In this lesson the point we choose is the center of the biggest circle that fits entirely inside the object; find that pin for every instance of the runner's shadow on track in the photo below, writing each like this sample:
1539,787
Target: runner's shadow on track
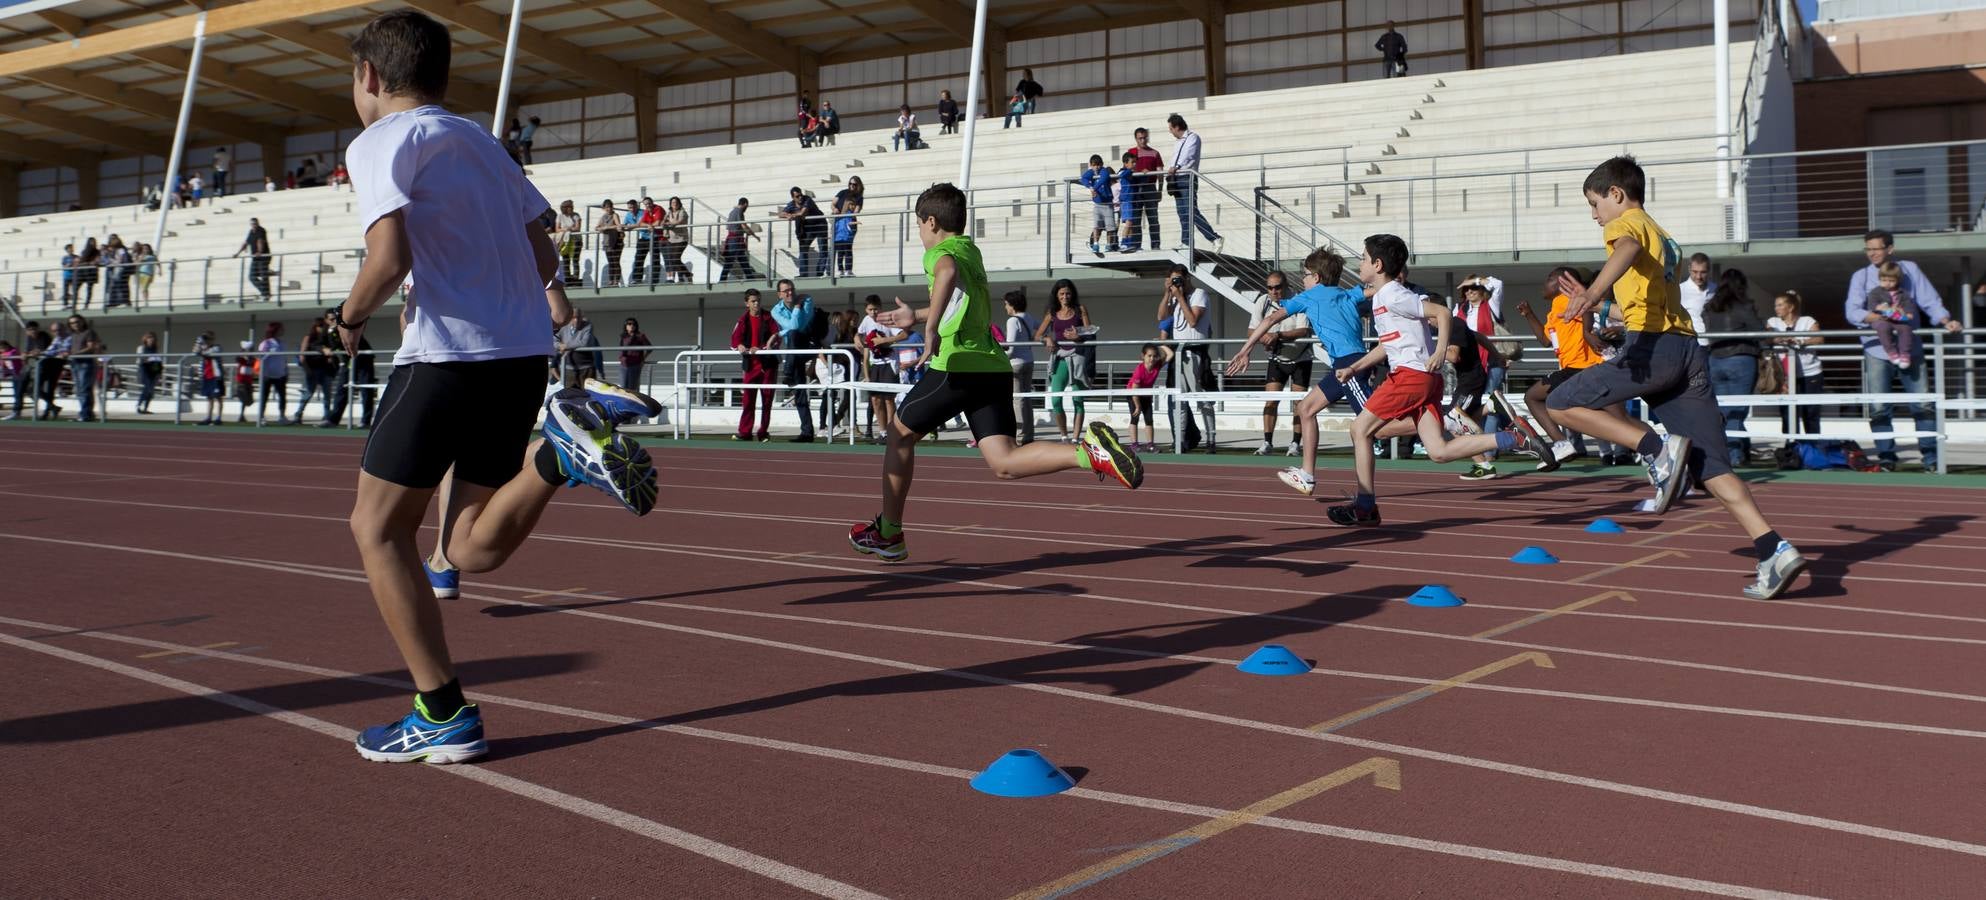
1828,570
183,711
1121,662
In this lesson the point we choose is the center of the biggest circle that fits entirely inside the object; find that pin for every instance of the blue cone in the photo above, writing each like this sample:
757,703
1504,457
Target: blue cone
1435,595
1534,556
1273,659
1022,773
1605,526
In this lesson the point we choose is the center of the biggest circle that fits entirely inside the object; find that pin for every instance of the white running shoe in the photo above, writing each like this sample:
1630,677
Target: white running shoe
1263,450
1296,449
1300,481
1671,472
1564,450
1458,424
1776,573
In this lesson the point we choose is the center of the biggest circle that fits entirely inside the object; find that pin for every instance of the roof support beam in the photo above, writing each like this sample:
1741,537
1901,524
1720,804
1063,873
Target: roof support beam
243,80
52,154
165,33
10,190
461,94
103,90
566,55
740,34
120,136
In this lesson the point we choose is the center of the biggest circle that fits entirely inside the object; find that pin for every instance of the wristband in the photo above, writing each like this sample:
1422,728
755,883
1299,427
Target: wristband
338,319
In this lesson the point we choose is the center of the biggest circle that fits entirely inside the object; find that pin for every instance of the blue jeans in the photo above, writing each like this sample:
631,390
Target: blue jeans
1878,376
84,375
1732,376
1190,217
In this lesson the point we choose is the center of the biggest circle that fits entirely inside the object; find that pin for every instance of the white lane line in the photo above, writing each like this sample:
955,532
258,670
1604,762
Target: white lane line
1467,851
1677,797
675,837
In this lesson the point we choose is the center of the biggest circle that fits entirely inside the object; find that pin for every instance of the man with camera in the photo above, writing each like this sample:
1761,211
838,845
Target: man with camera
1185,308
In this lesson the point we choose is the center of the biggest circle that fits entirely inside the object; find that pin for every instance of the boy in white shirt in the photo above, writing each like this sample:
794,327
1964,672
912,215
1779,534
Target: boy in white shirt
440,200
1413,331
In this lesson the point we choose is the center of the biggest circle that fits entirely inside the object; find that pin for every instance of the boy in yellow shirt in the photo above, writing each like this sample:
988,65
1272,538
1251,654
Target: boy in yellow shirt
1662,364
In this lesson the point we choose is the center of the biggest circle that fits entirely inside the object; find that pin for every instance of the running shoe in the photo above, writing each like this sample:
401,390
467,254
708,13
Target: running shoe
1480,472
418,738
1776,573
1108,456
622,405
1670,471
1351,514
447,583
1296,449
1300,481
592,452
1263,450
1564,450
1456,423
868,538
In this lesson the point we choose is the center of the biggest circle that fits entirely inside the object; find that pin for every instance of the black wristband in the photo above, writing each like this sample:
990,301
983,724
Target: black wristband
338,318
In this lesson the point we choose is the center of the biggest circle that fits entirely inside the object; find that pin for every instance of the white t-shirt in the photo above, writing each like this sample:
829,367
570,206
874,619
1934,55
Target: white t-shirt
868,327
1182,329
466,207
273,367
1020,338
1810,364
1694,299
1400,319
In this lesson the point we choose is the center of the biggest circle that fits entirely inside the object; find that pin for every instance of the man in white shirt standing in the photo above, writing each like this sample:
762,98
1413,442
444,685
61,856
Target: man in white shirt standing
1185,175
1696,293
221,172
440,200
1185,307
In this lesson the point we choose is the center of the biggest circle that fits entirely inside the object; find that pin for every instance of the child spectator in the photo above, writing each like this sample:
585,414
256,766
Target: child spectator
1019,341
1151,360
831,370
1127,204
876,339
1016,107
12,364
1806,364
209,354
1103,211
69,261
1897,326
244,382
906,129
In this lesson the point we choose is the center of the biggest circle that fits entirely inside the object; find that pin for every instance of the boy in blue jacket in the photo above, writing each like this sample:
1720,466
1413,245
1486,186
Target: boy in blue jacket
1127,193
1103,227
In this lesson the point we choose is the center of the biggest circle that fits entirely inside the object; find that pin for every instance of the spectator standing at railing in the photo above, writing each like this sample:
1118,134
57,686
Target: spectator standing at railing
1392,47
1481,308
275,369
148,269
1290,361
34,344
1146,165
632,361
317,356
256,245
1696,291
575,348
209,355
117,273
1804,366
810,226
631,228
69,282
361,370
1127,204
755,331
847,207
647,257
611,236
51,362
244,381
1733,361
87,263
676,239
1102,185
12,364
1186,307
1880,374
1185,179
737,262
876,339
151,365
795,315
948,113
1063,333
831,370
84,347
568,229
1019,340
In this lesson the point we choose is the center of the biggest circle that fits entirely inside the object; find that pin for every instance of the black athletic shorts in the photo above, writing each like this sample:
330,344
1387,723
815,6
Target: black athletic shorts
1469,388
475,416
1558,377
1287,373
986,399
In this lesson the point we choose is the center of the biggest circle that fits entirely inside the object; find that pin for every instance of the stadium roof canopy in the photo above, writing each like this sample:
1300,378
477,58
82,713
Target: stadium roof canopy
93,78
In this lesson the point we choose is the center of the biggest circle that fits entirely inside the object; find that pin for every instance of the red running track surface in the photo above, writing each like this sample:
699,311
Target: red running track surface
721,700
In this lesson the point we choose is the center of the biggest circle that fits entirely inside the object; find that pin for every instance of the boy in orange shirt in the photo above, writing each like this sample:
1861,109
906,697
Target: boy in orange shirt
1577,348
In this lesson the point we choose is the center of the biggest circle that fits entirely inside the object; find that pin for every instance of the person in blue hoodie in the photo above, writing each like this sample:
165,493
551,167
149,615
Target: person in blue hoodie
1103,227
1337,317
1127,193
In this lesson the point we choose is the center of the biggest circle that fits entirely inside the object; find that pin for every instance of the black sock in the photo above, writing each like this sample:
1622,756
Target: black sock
1268,437
442,703
1765,544
547,462
1650,446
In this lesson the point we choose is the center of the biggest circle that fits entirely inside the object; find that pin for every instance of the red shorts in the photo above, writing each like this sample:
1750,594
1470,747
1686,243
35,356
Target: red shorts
1405,393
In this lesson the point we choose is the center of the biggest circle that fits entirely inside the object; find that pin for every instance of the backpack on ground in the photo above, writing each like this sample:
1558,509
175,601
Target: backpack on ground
1834,455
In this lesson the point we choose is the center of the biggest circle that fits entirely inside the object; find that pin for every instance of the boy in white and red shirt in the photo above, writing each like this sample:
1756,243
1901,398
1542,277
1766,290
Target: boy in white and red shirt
1413,330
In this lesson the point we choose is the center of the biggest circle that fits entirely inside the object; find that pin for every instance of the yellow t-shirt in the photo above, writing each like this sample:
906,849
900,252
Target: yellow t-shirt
1569,338
1647,292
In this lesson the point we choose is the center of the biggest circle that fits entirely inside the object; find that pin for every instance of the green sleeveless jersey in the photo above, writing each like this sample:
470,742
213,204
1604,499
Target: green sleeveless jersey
965,335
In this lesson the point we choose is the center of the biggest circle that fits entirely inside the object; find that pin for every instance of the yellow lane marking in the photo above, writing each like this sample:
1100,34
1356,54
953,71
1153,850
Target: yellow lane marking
1533,657
1550,613
177,652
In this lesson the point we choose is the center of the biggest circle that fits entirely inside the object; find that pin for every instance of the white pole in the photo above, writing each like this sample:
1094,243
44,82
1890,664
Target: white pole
972,95
179,131
1721,41
509,63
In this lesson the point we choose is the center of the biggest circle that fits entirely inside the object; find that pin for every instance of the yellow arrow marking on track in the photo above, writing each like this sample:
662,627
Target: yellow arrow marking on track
1550,613
1384,772
1533,657
1602,573
177,652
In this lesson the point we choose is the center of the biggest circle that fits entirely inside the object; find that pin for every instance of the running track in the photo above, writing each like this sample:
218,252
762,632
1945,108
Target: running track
722,701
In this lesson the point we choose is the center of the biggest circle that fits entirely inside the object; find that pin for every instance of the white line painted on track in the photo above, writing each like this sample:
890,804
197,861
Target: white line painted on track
1467,851
1676,797
811,882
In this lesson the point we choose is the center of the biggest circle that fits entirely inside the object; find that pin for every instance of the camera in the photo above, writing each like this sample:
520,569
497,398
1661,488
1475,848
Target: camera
1178,281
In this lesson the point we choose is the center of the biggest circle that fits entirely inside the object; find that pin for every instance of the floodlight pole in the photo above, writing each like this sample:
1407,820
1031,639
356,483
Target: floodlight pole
509,63
166,193
1721,41
972,96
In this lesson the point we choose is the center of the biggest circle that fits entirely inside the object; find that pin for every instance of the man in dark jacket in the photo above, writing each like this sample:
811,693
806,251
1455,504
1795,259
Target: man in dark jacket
1392,48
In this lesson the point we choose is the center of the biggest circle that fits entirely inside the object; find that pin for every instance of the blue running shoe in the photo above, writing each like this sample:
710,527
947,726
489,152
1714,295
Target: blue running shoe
418,738
622,405
591,452
447,583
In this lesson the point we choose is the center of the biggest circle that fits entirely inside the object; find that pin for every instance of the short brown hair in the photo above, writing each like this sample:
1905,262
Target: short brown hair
1326,264
944,203
408,51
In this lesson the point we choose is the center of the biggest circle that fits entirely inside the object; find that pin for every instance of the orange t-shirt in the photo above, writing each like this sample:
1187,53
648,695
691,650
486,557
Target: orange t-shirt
1569,338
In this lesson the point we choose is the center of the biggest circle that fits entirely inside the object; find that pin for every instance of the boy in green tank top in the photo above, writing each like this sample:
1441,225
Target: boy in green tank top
969,376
